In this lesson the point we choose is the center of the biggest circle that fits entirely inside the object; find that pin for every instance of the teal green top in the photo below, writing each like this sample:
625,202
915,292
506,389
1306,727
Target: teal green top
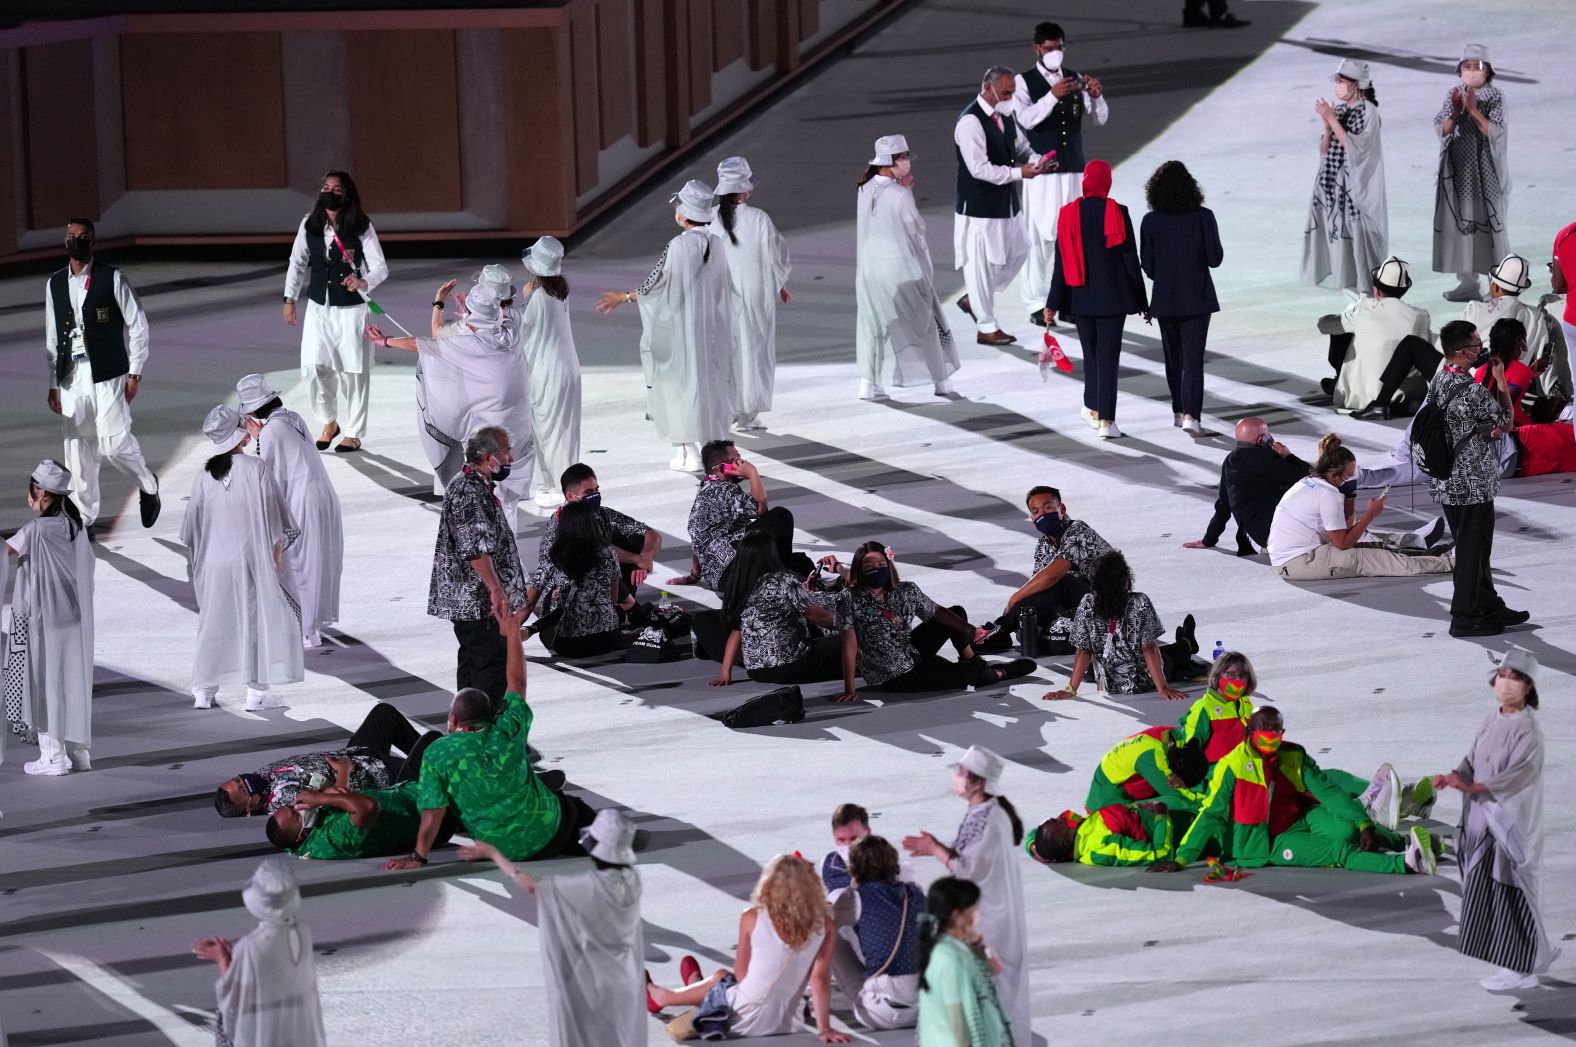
393,831
958,1006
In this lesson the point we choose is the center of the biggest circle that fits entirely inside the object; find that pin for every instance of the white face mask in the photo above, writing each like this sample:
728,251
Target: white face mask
901,168
842,851
1053,59
1510,690
1474,78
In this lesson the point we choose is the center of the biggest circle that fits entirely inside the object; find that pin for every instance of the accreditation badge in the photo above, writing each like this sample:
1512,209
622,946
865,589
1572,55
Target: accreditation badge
101,314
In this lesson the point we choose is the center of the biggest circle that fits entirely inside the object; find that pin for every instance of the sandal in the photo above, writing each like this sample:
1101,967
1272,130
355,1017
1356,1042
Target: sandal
326,437
348,445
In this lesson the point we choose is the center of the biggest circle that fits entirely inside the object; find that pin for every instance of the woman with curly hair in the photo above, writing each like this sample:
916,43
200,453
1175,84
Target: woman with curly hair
1178,244
1118,631
785,942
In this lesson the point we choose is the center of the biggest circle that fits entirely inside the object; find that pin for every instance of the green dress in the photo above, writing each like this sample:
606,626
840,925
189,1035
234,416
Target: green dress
958,1006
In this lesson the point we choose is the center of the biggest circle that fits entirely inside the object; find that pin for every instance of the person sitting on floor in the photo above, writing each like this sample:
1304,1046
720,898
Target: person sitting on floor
723,512
850,824
768,613
1118,631
1316,534
1507,341
633,543
1114,835
579,617
335,822
897,656
1064,560
1253,478
878,969
1506,282
1548,443
1151,764
1364,338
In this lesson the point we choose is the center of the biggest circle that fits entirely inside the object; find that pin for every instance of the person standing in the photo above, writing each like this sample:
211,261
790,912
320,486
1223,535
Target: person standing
958,1001
1472,195
687,311
96,340
1179,243
553,365
758,266
1562,272
1348,230
1499,845
236,531
336,257
476,575
1049,103
47,653
902,336
1097,282
989,238
1474,417
316,558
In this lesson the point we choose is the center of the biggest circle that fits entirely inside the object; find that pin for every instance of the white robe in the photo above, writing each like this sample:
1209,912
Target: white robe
991,861
248,623
54,595
268,997
1472,189
901,336
593,959
1347,234
1377,326
758,266
687,308
554,369
316,558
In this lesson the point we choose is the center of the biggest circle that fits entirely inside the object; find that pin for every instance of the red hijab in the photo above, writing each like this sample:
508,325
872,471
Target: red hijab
1069,223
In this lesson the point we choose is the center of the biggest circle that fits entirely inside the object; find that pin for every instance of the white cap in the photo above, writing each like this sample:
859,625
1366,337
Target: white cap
734,176
498,278
888,146
982,763
53,477
481,303
1352,69
223,427
254,392
611,836
1511,274
696,201
1474,53
1523,661
272,895
545,257
1392,272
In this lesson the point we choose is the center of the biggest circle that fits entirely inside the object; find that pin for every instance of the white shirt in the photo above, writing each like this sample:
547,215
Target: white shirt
970,139
296,277
77,285
1304,519
1032,114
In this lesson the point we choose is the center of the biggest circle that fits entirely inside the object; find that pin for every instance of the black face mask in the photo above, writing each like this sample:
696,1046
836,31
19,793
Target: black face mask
255,785
592,499
80,248
878,577
1051,525
501,473
330,201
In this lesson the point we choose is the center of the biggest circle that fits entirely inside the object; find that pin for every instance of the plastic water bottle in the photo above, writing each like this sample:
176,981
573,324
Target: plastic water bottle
1220,649
664,603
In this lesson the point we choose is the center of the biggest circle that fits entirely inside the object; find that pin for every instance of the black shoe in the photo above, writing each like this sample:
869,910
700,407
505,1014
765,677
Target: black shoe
1506,617
1055,648
1436,536
554,779
1185,633
1373,410
1229,21
149,504
1037,318
1328,385
1017,668
1462,627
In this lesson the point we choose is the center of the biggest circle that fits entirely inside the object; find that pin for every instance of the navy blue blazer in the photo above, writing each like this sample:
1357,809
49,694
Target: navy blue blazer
1177,252
1113,284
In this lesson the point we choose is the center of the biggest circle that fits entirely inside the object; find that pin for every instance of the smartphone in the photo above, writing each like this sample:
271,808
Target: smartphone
1385,491
729,469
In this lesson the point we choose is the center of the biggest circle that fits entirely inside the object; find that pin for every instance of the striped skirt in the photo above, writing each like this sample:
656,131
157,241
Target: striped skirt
1497,922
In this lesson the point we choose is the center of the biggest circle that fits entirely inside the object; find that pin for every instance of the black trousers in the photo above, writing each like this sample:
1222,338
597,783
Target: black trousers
1411,352
1177,661
933,673
824,661
1340,345
589,646
1182,340
483,658
574,814
1475,597
1101,338
778,522
386,729
1059,601
711,635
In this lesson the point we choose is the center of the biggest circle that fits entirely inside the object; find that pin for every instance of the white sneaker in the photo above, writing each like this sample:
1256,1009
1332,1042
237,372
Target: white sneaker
256,700
1109,431
677,462
1190,425
1420,852
548,499
871,391
205,697
53,767
81,760
748,423
311,640
1382,798
944,388
1507,980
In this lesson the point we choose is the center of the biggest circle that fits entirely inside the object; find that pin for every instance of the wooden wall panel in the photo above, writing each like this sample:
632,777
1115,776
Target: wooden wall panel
538,137
729,24
584,91
203,111
9,190
404,115
763,33
616,69
809,18
62,155
651,108
678,83
700,65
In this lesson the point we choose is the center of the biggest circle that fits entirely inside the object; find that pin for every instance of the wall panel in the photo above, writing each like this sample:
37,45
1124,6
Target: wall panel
651,108
538,137
62,156
404,118
729,27
583,92
615,69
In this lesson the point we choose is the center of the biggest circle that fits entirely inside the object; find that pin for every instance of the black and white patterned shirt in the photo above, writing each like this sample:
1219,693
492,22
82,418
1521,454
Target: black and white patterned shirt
886,650
472,525
612,526
772,629
587,605
289,776
717,519
1469,408
1116,647
1080,546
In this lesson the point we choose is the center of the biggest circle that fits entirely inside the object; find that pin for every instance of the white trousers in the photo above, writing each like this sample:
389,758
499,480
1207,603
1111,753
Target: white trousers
984,280
340,396
96,423
1043,199
1037,272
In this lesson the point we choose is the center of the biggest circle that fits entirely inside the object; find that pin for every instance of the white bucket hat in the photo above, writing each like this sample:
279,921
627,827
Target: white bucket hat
254,391
982,763
611,836
1519,659
545,257
696,201
1352,69
271,894
1392,272
481,303
888,146
1511,274
53,477
498,278
1474,53
734,176
223,426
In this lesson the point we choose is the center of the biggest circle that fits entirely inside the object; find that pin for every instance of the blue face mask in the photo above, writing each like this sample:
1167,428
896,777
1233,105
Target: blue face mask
1051,525
878,577
592,499
255,785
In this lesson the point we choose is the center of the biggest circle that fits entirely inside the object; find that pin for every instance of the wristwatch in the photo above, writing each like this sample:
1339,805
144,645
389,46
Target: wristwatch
413,856
437,303
289,300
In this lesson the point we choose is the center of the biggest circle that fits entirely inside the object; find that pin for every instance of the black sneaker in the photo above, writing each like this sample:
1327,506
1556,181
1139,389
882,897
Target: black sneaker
1229,21
1506,617
149,504
1464,627
1037,318
553,779
1017,668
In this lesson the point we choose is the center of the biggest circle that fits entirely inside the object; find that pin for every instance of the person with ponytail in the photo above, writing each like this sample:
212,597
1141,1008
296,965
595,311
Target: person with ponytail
236,530
47,651
985,851
1348,230
758,267
958,1002
1316,533
553,366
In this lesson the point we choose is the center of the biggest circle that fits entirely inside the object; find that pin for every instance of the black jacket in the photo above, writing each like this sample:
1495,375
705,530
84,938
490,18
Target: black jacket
1177,252
1252,481
1113,285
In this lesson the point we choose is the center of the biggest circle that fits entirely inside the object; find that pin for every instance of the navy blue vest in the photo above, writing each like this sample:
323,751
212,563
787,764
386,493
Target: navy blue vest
984,199
103,327
328,269
1062,128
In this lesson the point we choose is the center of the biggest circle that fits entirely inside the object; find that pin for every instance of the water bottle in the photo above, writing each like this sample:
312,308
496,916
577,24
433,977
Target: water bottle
1029,632
664,603
1220,649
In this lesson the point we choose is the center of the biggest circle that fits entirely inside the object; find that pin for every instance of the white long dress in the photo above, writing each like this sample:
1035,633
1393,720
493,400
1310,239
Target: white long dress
686,342
902,337
268,997
1472,191
51,630
772,992
593,959
315,559
471,379
987,856
248,622
1347,233
554,369
758,266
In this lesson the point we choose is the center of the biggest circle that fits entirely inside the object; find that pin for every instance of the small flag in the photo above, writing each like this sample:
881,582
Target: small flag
374,308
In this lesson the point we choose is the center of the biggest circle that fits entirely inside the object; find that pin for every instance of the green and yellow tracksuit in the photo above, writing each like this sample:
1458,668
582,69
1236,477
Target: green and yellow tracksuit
1216,723
1121,835
1136,768
1284,810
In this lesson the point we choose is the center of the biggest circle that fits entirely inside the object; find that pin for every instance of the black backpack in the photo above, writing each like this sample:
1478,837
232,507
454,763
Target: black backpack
784,705
1431,433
